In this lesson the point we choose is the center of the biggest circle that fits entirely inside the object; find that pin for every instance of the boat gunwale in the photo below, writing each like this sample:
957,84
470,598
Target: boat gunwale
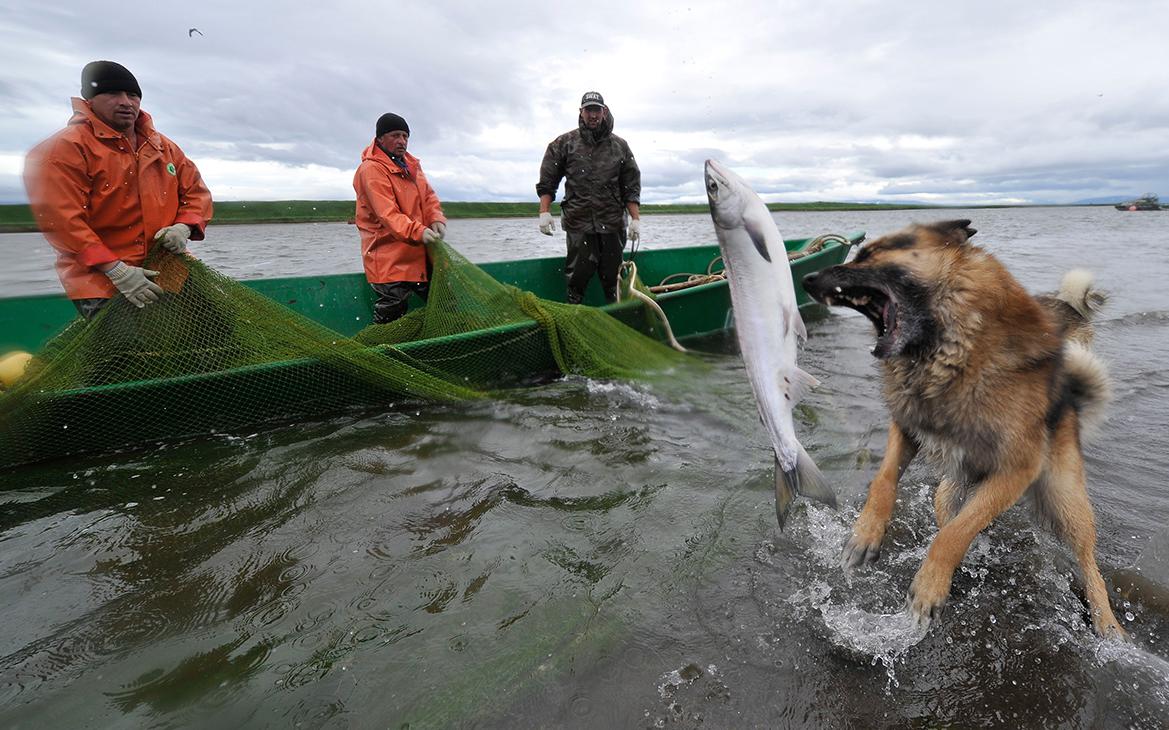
443,340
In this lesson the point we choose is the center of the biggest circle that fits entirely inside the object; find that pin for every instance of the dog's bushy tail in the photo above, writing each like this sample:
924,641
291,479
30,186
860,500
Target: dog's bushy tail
1075,305
1077,291
1091,387
1087,375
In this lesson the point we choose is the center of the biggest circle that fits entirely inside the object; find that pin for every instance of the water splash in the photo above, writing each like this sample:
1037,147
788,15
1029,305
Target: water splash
622,393
880,637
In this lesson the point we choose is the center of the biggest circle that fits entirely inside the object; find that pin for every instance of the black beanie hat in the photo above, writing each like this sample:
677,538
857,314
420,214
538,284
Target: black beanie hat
100,77
390,122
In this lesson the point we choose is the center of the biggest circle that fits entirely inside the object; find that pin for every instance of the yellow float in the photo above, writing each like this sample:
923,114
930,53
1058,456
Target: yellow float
12,366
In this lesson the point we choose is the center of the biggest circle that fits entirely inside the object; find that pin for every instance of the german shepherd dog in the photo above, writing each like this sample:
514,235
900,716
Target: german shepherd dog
995,386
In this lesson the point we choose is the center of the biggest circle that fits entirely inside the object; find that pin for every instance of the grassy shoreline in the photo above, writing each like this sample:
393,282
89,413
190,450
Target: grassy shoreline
18,218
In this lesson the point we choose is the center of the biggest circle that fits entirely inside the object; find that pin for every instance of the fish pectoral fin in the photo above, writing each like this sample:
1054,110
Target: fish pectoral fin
799,382
758,236
801,330
792,318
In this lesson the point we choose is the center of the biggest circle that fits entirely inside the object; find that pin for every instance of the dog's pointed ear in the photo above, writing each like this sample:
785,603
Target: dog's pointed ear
956,232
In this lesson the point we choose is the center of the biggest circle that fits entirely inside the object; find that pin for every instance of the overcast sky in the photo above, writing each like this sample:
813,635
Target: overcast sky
958,103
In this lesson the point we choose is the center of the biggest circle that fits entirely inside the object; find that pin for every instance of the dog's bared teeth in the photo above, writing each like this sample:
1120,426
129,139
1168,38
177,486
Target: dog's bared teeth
838,290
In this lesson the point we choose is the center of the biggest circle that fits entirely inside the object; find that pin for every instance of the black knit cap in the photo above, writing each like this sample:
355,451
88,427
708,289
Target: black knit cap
100,77
390,122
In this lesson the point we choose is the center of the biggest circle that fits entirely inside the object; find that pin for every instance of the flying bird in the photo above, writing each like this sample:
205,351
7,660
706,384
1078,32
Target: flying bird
191,32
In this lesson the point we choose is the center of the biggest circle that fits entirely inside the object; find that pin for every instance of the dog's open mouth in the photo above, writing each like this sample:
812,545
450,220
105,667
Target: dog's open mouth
878,306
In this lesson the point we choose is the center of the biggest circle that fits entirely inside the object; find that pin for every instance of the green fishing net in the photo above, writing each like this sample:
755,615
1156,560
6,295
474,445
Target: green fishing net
214,356
581,340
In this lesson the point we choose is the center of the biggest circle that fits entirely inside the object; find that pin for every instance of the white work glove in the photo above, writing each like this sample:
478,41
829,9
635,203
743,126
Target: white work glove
429,236
134,283
174,238
547,225
440,228
634,230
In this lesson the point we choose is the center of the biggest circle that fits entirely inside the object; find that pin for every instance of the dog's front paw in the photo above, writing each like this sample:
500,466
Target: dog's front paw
1107,627
864,546
927,595
858,552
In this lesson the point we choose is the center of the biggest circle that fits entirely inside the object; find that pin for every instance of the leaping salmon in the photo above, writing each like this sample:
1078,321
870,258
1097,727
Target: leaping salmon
768,327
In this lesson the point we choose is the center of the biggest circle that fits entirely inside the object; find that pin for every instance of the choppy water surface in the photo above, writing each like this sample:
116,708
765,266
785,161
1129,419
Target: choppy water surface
584,553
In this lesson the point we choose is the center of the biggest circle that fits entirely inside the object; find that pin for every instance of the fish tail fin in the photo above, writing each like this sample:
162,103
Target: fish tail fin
805,478
800,383
812,483
787,485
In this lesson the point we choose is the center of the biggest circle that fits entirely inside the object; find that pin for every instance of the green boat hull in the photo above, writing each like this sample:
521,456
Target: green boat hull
343,303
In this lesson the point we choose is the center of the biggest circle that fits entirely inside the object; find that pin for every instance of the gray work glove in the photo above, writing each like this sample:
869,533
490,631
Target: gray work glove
547,225
174,238
440,228
429,236
134,283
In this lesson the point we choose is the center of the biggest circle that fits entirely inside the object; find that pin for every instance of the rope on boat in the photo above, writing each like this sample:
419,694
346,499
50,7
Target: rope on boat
814,246
818,243
629,273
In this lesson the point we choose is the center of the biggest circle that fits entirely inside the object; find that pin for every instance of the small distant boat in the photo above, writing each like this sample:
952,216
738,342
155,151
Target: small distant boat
1148,201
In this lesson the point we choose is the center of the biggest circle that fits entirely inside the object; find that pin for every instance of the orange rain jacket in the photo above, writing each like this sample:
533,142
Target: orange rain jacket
98,201
393,208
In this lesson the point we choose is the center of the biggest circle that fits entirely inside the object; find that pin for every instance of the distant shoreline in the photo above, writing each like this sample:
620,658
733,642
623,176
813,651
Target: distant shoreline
18,218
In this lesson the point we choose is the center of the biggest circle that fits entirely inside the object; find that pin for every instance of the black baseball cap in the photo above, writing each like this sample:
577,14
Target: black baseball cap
592,98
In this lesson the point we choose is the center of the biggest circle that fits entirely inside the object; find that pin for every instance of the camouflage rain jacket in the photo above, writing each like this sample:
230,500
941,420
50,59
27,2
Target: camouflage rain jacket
600,176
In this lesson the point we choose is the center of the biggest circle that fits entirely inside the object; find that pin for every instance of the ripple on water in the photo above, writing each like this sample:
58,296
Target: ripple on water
382,552
294,573
12,690
586,522
216,673
271,614
140,625
367,634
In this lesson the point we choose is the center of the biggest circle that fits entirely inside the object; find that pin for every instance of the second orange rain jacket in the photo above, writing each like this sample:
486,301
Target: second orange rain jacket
393,208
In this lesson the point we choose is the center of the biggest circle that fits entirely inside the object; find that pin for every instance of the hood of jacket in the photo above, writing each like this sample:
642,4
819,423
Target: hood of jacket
83,114
373,153
592,136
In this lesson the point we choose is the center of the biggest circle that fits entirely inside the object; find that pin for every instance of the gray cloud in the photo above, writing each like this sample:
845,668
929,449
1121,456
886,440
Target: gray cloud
811,100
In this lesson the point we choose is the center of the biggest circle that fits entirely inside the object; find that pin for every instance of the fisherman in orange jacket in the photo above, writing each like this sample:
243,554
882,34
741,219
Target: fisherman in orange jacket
398,215
107,187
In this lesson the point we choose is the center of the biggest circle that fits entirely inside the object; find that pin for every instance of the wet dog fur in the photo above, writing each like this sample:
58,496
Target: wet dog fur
996,387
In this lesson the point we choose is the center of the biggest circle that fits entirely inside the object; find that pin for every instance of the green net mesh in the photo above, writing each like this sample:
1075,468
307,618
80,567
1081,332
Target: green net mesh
215,356
581,340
